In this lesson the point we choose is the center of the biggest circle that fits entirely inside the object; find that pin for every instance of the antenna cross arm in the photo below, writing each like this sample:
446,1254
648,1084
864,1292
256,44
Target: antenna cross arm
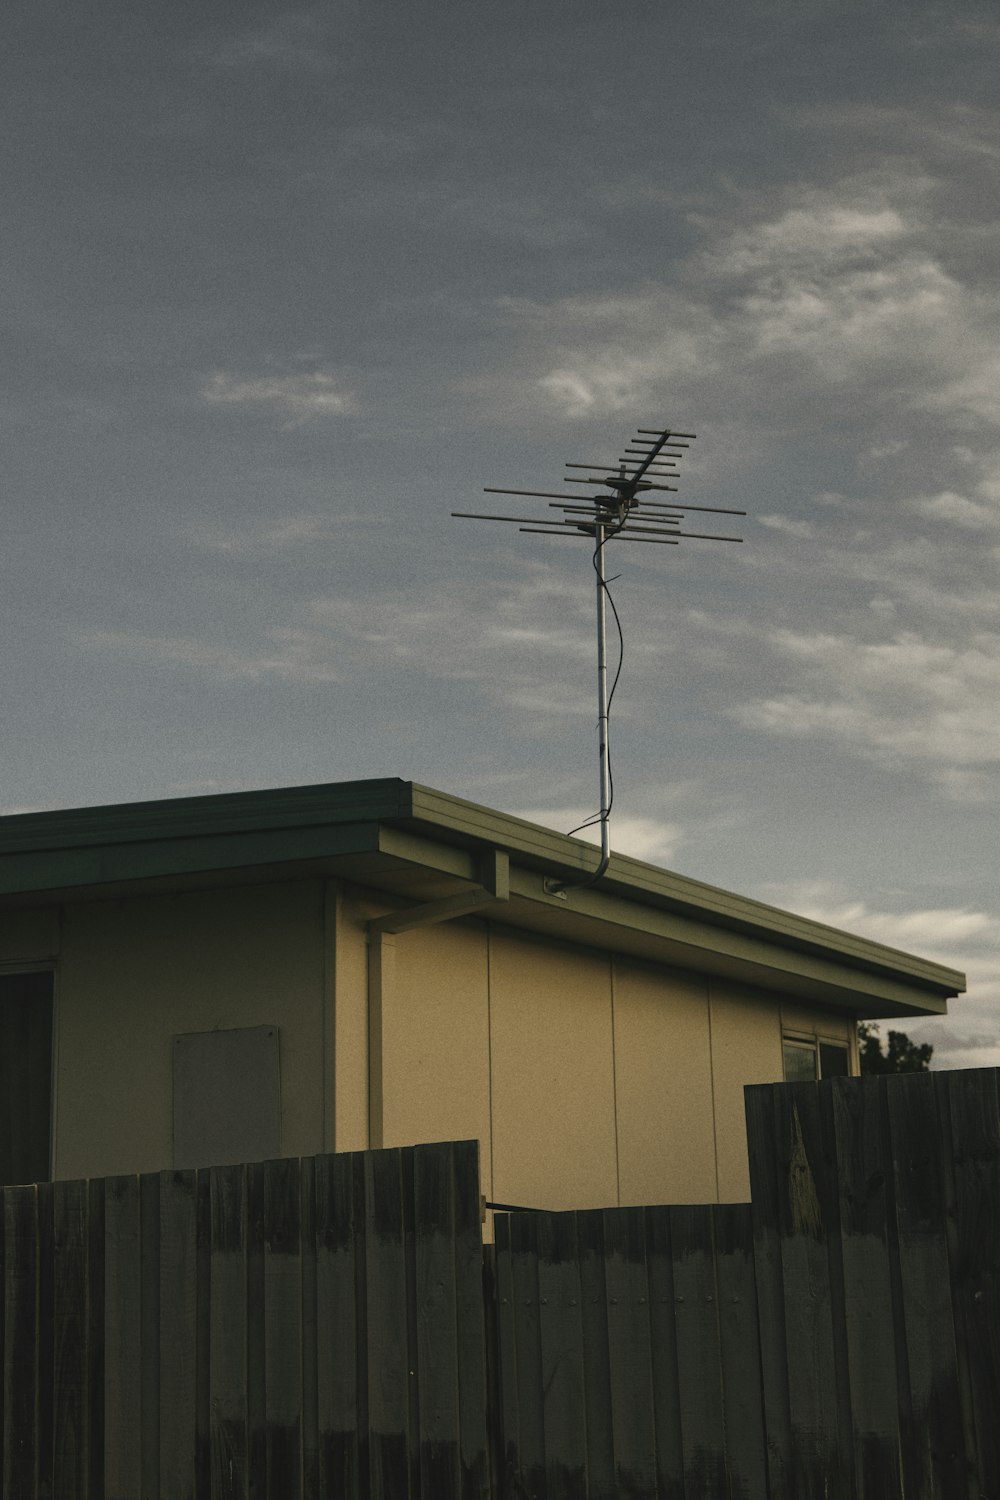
474,515
490,489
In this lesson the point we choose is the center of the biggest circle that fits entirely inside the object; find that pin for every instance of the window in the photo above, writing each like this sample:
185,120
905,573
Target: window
25,1077
834,1061
800,1060
809,1058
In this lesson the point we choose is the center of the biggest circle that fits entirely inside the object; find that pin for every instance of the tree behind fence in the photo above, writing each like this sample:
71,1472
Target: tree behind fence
318,1327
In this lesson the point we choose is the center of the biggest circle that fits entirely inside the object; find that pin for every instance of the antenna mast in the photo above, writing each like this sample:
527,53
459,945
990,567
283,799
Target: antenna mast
652,456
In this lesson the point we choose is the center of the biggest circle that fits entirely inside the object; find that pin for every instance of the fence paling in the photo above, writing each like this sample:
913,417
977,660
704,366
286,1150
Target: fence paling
70,1368
972,1106
932,1439
740,1348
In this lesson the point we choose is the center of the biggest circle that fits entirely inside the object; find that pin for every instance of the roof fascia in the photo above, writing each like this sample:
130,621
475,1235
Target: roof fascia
72,869
638,882
224,813
606,917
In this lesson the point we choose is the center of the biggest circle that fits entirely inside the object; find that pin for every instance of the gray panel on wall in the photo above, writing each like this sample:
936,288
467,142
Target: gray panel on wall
227,1097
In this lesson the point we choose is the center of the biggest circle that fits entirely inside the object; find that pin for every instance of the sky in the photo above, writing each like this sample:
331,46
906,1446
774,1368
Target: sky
284,285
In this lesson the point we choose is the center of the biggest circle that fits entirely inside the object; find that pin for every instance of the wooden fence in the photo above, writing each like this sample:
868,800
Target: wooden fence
296,1328
628,1354
838,1338
317,1329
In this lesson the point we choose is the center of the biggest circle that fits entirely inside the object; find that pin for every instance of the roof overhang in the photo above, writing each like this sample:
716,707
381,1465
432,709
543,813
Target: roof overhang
414,844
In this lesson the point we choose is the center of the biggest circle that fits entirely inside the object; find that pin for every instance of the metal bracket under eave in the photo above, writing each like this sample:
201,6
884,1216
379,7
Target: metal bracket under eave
494,885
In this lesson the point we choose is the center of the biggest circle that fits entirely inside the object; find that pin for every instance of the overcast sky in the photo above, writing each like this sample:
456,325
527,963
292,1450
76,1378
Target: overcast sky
286,284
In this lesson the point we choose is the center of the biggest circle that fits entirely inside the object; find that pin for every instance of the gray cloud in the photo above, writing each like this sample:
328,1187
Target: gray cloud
288,286
957,937
903,698
299,397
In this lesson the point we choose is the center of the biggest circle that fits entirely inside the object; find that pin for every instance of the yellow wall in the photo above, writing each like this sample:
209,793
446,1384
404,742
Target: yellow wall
664,1085
350,1018
436,1041
588,1080
746,1048
553,1079
134,973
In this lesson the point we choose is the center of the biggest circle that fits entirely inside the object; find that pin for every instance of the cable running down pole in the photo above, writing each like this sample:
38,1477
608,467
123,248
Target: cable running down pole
613,512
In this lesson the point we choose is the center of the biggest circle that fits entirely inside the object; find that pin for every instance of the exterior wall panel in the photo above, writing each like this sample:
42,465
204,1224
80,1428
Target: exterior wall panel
133,974
350,1021
664,1087
746,1048
436,1040
552,1075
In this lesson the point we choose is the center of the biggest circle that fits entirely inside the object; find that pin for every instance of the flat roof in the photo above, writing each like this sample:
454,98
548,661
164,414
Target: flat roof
416,844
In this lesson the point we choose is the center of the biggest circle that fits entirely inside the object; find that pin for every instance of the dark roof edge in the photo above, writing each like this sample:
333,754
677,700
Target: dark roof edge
392,800
382,799
655,885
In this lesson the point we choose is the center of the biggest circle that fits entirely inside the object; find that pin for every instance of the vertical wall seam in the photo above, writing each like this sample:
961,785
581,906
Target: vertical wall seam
489,1044
373,944
381,949
614,1080
711,1076
328,1002
325,983
54,1049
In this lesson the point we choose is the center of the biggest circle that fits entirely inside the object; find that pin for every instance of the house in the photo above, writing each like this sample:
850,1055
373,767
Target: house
283,972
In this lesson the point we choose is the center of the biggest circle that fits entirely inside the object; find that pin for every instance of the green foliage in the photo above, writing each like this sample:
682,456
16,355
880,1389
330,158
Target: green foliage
900,1056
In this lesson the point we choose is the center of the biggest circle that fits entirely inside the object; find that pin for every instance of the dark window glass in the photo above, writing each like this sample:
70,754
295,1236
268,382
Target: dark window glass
833,1060
25,1077
800,1061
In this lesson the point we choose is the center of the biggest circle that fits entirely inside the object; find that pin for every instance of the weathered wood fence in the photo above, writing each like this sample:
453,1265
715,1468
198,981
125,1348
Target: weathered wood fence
323,1327
838,1338
296,1328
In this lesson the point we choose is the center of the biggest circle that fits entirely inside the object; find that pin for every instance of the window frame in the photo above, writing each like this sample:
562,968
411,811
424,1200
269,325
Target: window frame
813,1040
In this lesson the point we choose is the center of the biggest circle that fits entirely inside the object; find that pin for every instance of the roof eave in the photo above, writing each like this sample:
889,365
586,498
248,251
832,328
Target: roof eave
388,824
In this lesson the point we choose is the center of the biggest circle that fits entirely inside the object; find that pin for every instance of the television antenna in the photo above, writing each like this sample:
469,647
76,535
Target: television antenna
617,515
